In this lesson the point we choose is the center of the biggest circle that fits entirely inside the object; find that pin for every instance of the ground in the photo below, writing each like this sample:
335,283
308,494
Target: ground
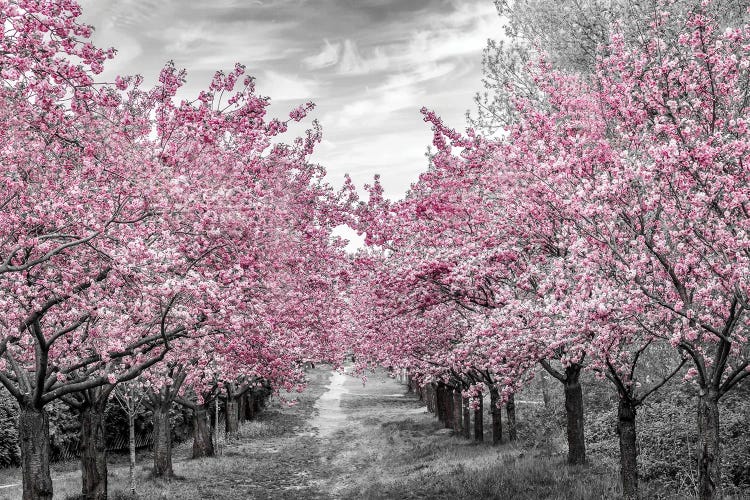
345,439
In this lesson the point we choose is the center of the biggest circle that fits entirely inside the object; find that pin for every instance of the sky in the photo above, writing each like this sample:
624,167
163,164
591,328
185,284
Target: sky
368,65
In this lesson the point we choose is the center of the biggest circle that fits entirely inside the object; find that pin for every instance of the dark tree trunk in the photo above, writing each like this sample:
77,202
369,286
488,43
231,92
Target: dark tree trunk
467,418
162,442
479,420
574,413
497,416
447,406
439,404
252,403
457,411
510,411
626,411
232,424
203,444
241,410
33,436
93,453
709,451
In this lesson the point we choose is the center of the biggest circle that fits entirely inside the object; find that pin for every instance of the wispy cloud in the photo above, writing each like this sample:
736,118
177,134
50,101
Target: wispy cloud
368,64
328,56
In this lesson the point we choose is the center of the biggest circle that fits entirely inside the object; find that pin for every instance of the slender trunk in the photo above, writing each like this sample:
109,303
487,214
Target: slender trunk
545,388
203,445
162,442
457,412
439,404
709,451
497,416
241,411
216,425
131,447
250,404
510,411
232,424
574,413
467,418
448,407
93,453
33,437
626,411
479,420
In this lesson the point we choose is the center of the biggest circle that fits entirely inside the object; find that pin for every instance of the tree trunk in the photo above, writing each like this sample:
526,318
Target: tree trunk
241,410
203,445
162,443
545,388
510,411
479,420
457,411
250,403
626,411
131,446
497,416
33,436
447,406
467,418
709,451
93,453
232,424
439,404
216,425
574,413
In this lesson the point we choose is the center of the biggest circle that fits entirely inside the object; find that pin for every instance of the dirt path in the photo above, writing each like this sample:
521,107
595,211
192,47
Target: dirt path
329,445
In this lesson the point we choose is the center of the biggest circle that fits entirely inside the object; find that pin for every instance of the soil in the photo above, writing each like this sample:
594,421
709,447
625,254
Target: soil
325,446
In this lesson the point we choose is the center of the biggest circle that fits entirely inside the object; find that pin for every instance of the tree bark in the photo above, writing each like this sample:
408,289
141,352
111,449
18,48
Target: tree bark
626,431
479,420
162,442
439,404
447,406
131,446
574,413
467,418
232,424
709,458
241,410
510,411
33,436
203,444
497,416
93,453
545,388
457,411
250,404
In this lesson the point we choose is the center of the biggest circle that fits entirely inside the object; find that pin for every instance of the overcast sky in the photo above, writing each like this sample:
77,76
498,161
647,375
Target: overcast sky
369,65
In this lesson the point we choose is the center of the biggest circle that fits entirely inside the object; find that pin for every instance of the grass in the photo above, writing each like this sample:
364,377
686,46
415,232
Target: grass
388,447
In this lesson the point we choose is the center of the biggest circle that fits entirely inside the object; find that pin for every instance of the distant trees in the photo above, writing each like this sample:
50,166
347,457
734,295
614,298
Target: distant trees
609,219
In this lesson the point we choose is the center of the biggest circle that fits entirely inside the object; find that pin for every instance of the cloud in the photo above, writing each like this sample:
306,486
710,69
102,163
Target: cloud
328,56
353,63
281,87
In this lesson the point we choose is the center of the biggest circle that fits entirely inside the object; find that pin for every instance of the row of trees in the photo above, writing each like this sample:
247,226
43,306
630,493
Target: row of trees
177,243
604,227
